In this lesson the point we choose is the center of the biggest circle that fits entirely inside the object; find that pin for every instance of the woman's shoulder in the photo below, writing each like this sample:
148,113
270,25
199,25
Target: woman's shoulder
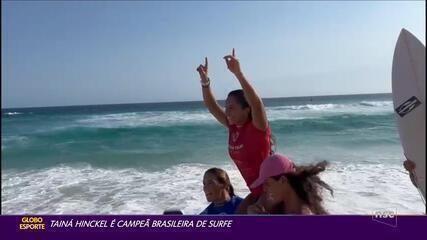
207,210
236,199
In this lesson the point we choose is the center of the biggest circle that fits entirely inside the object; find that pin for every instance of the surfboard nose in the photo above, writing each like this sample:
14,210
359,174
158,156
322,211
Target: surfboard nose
406,34
403,31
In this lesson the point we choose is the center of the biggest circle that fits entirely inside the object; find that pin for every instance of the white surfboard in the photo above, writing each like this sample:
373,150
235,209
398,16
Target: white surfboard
408,85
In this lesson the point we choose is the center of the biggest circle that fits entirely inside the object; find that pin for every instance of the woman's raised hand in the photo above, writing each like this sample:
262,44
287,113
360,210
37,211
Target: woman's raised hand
203,72
233,63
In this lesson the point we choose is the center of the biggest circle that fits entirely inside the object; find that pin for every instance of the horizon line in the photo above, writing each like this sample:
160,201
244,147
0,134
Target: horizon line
185,101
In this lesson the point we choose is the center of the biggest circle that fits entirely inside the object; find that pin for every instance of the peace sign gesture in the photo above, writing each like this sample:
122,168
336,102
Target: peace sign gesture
233,63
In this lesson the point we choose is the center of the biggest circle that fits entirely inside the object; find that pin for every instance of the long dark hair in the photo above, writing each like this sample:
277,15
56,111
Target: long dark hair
273,144
239,96
307,185
222,177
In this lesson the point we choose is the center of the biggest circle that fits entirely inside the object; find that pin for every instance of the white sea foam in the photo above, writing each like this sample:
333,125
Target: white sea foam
308,107
13,113
316,111
87,190
358,189
146,119
366,188
13,140
293,112
377,103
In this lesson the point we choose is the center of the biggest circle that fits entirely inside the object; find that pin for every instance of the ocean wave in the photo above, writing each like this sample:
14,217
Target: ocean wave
366,188
129,134
358,189
293,112
14,140
333,106
124,120
88,190
377,103
317,107
146,119
320,111
12,113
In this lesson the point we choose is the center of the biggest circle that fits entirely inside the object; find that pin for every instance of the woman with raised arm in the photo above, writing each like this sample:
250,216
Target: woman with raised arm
245,118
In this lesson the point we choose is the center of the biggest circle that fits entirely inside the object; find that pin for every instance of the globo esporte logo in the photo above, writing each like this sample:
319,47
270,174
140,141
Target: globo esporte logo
32,223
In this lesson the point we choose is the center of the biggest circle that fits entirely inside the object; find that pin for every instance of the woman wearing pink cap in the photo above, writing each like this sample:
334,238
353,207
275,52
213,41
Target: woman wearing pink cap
291,189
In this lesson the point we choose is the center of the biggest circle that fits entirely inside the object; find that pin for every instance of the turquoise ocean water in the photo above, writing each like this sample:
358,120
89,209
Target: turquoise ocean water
144,158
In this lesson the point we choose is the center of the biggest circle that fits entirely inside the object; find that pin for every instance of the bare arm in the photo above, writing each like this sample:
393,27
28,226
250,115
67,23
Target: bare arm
208,97
213,107
259,117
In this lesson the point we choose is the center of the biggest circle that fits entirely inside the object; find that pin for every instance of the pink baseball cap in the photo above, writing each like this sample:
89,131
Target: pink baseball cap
274,165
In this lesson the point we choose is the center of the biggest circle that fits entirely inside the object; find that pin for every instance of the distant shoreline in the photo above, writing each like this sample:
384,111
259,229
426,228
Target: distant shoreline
186,102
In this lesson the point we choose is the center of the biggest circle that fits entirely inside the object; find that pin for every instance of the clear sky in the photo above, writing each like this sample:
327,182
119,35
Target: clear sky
77,53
